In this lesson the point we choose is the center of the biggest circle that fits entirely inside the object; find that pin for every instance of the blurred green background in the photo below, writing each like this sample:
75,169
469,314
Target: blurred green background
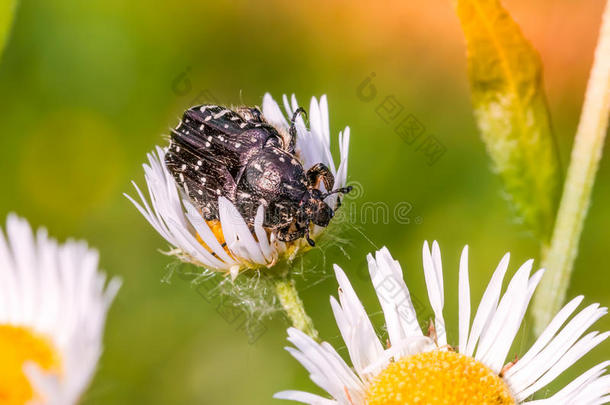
88,87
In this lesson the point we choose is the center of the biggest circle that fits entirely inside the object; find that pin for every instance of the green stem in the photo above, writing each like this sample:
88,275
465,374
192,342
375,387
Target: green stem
293,306
575,200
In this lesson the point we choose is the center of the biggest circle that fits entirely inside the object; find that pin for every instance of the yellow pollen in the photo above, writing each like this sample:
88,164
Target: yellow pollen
438,378
17,346
217,231
291,247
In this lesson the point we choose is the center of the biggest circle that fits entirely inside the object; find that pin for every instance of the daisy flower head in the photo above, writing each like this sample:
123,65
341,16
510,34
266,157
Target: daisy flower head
221,193
53,304
421,368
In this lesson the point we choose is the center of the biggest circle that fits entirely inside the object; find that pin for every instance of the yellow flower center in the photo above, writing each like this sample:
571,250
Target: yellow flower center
438,378
19,345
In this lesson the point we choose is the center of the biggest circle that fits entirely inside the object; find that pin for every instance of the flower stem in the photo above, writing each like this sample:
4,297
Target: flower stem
586,153
293,306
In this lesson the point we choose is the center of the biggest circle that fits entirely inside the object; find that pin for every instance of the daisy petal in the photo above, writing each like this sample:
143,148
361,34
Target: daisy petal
488,304
304,397
464,300
356,328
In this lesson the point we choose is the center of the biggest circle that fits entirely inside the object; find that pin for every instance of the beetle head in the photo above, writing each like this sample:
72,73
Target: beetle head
316,210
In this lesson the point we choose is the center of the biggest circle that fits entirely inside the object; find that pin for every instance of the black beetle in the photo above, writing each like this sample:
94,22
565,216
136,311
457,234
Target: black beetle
216,151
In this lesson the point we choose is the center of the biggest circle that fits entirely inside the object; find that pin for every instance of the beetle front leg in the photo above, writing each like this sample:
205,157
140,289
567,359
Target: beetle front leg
318,172
285,234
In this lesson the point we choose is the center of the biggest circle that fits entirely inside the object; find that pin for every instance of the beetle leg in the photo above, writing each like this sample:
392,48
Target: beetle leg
318,172
303,227
285,234
309,240
293,129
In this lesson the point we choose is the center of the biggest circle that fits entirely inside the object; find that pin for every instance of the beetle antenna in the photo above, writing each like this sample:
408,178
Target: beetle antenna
293,129
342,190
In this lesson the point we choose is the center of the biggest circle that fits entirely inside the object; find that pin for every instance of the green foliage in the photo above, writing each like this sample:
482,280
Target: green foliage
7,12
510,108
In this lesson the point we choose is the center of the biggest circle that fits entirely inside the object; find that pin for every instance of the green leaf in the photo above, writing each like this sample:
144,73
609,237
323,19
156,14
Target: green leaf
7,12
505,74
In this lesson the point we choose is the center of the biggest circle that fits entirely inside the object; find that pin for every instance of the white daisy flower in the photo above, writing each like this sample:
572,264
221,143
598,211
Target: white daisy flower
227,244
418,368
53,304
